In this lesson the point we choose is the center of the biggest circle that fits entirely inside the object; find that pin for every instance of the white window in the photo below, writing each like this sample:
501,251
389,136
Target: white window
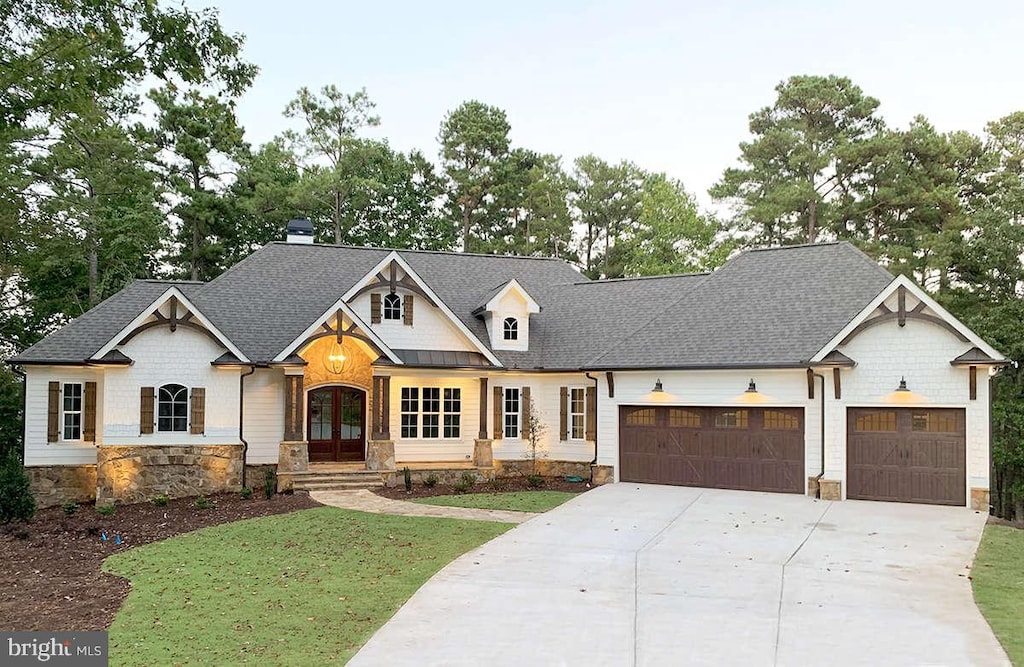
172,408
452,412
72,409
410,411
512,412
392,307
511,328
426,415
577,413
431,412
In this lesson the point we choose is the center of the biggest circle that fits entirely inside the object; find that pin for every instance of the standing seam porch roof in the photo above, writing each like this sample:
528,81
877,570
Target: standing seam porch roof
762,308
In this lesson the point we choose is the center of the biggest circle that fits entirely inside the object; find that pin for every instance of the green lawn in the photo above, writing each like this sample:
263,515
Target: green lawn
308,587
519,501
998,578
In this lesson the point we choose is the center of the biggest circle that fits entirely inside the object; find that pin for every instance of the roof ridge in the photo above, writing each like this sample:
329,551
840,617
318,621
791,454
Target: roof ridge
448,253
604,281
796,246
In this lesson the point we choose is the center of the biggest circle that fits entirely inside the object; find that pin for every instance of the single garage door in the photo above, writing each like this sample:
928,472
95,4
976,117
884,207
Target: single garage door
907,455
755,449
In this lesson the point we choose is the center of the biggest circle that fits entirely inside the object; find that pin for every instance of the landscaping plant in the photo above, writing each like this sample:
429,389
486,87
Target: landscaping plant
16,500
431,481
407,474
269,483
106,510
203,503
69,507
246,493
161,500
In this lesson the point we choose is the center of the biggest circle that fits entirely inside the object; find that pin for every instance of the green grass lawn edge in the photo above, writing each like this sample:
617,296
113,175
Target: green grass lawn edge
998,580
309,587
516,501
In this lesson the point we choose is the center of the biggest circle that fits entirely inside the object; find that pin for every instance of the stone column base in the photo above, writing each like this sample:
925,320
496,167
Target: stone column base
602,474
483,454
293,456
380,455
980,500
812,487
831,489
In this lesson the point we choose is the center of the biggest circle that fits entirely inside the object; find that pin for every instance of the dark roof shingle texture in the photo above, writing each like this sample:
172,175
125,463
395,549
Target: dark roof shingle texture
762,308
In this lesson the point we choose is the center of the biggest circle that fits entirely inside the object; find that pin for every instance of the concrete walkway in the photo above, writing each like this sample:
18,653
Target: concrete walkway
631,574
368,501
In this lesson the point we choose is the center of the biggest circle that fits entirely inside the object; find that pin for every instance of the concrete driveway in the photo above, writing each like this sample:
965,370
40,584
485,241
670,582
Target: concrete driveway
632,574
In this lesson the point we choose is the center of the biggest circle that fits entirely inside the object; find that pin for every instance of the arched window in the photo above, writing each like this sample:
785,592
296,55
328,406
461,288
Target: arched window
172,408
511,328
392,307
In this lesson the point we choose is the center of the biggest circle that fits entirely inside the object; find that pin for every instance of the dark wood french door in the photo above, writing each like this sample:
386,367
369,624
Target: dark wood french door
336,424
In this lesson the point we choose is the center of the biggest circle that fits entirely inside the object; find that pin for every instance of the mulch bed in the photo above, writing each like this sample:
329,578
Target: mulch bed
51,578
500,485
996,521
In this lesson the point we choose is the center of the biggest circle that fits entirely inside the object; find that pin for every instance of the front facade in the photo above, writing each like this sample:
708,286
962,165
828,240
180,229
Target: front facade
802,370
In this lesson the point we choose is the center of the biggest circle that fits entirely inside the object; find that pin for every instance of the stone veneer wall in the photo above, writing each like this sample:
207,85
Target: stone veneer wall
554,468
255,474
56,485
134,474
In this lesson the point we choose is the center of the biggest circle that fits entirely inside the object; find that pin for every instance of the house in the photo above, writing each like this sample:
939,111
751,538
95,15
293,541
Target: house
803,369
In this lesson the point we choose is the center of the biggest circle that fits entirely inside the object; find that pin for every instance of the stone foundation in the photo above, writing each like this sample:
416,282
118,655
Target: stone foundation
980,500
133,474
255,474
554,468
380,455
602,474
445,476
830,489
56,485
812,487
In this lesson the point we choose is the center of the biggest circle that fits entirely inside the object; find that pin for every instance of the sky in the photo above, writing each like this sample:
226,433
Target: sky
667,85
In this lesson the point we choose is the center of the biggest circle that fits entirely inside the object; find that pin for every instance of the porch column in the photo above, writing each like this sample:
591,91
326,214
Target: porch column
483,453
292,408
380,449
293,455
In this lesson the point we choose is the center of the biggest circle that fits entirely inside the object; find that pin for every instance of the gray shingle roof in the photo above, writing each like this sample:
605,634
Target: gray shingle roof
771,307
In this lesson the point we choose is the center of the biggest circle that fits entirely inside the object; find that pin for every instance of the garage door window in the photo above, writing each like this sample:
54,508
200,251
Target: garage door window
881,421
780,421
640,417
934,422
731,419
686,418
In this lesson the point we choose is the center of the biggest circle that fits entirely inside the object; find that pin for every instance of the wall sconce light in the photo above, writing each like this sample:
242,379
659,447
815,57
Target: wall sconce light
751,388
657,386
903,385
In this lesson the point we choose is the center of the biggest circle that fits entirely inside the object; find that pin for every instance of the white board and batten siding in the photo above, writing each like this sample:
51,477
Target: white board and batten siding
263,420
545,392
165,357
39,452
919,352
778,388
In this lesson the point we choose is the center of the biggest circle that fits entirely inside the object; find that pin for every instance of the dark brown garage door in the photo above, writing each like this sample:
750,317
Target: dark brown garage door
755,449
907,455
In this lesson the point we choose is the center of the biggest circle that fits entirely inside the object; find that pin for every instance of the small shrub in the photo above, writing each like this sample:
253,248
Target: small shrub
535,481
106,510
461,486
161,500
16,500
269,483
407,474
499,483
69,507
246,493
468,478
431,481
203,503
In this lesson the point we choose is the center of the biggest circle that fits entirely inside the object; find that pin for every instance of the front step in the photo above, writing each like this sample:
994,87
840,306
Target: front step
331,480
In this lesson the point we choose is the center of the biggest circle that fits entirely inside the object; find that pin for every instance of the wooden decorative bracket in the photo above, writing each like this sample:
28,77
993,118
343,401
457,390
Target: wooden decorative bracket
392,283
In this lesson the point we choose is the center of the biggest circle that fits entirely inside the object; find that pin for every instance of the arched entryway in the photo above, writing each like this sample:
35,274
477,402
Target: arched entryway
336,423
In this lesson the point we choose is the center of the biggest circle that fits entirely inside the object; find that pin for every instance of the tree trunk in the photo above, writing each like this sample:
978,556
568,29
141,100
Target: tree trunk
337,217
465,228
94,275
196,183
812,220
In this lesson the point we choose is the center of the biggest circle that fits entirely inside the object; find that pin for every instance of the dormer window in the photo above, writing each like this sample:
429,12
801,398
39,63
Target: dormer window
392,307
511,328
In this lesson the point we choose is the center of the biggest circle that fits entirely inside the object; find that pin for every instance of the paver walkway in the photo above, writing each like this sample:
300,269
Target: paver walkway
368,501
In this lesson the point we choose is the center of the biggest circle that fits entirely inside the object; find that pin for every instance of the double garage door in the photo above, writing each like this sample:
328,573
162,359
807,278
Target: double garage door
755,449
894,454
